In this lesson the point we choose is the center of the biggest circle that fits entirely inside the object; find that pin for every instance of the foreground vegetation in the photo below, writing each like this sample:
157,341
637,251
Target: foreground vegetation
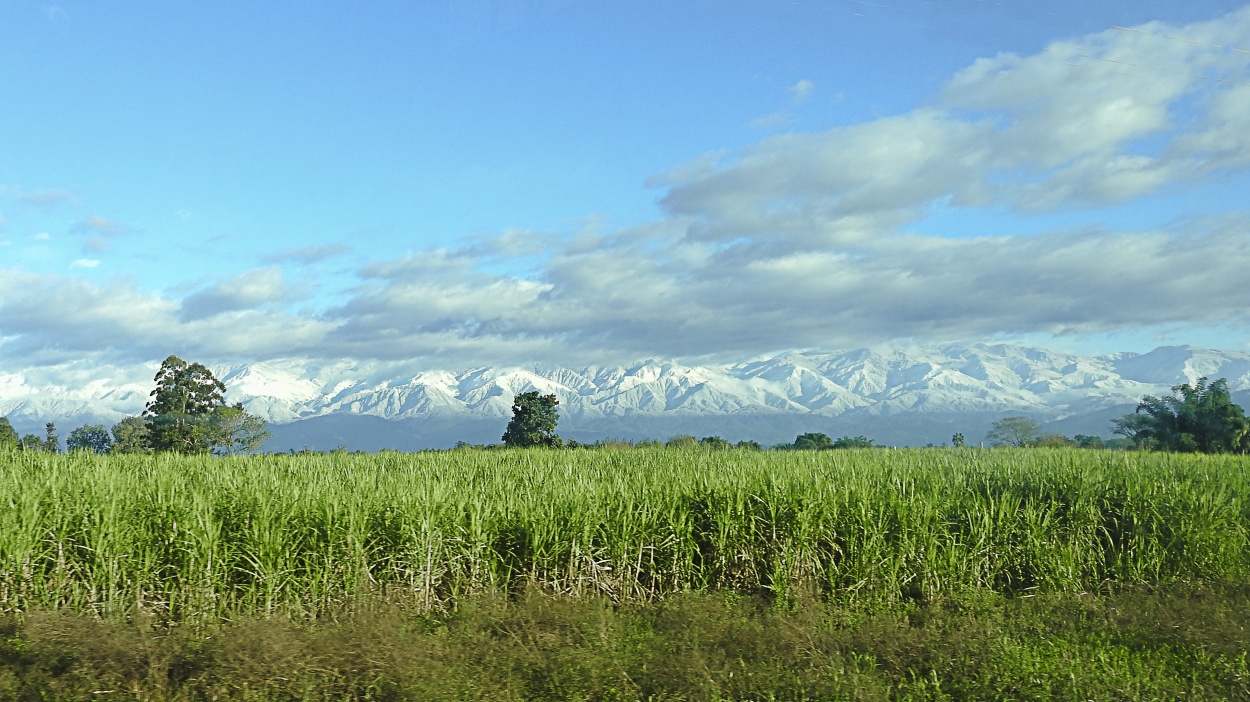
626,574
205,538
1185,641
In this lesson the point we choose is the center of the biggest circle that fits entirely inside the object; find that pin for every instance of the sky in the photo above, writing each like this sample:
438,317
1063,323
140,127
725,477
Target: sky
453,184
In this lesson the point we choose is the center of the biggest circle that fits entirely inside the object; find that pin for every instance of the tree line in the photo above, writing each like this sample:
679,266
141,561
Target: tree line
187,414
1195,418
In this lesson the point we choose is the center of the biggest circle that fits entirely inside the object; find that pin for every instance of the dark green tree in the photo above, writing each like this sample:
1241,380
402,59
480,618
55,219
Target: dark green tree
1053,441
714,442
1086,441
8,435
51,442
183,402
749,445
681,441
534,419
1195,418
1013,431
957,440
1131,427
32,442
132,435
813,441
92,437
853,442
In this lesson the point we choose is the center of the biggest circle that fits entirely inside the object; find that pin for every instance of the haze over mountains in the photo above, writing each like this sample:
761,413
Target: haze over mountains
895,395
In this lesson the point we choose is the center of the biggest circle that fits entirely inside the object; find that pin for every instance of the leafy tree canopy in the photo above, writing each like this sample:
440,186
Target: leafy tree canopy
813,441
92,437
185,397
1053,441
1195,418
1013,431
1089,442
131,435
234,431
850,442
714,442
8,435
533,423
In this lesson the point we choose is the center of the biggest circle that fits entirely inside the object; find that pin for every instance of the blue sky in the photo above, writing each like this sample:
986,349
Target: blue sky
533,181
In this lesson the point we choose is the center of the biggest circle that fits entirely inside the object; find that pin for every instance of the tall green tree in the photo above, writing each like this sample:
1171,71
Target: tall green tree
182,404
533,423
92,437
1195,418
51,442
1013,431
132,435
8,435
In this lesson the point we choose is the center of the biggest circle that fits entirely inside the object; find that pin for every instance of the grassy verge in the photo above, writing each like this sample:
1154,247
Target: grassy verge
1184,641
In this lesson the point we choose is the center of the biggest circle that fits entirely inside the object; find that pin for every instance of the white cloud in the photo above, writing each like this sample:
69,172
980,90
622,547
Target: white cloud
41,236
85,263
801,92
1089,123
307,255
249,290
802,240
116,320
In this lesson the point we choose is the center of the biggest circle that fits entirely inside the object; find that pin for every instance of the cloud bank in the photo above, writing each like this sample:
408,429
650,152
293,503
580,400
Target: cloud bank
801,240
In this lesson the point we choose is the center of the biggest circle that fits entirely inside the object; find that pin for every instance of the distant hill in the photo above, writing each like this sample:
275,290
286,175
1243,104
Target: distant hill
895,395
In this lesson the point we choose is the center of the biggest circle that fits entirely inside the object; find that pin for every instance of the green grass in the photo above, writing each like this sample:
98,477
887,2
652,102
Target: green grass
209,537
204,539
1185,641
655,574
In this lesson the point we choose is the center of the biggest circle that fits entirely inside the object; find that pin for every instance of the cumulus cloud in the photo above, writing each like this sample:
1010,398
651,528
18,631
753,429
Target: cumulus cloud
802,240
119,321
85,263
1084,123
253,289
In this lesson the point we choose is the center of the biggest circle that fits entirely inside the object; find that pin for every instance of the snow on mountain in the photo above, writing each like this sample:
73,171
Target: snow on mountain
875,382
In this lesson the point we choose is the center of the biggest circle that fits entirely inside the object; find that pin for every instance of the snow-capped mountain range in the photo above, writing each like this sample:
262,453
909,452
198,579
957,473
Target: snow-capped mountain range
926,389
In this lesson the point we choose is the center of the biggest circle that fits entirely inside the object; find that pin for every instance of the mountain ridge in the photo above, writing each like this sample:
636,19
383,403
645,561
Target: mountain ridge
859,388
